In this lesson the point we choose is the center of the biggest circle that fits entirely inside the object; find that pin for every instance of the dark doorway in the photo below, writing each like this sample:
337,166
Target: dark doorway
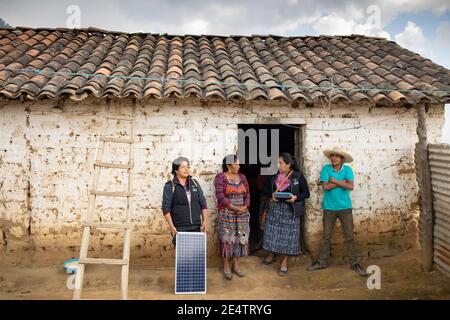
289,141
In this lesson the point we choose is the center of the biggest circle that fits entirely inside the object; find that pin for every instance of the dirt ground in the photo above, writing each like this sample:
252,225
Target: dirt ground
401,278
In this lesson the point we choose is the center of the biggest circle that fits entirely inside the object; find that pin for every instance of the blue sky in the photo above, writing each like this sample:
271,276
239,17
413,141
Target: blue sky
422,26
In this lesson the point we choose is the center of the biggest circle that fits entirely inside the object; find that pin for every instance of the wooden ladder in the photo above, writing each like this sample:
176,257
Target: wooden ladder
94,193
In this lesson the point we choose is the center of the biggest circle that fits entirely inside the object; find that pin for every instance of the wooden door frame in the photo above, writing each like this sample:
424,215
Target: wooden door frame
298,140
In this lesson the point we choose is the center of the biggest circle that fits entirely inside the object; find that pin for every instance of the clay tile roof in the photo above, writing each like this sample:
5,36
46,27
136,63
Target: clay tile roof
40,63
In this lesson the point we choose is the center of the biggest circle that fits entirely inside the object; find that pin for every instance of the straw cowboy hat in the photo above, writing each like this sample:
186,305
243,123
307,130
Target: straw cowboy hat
339,151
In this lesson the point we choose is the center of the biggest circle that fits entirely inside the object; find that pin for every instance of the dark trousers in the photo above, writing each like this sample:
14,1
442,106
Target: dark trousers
329,220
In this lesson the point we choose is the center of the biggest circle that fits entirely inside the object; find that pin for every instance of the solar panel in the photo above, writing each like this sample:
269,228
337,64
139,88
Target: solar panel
190,263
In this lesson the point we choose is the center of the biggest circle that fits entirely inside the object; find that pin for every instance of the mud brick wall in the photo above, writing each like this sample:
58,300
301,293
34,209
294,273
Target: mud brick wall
46,162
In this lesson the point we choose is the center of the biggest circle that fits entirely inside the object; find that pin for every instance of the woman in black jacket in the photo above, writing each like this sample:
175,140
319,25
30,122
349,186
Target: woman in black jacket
184,205
282,224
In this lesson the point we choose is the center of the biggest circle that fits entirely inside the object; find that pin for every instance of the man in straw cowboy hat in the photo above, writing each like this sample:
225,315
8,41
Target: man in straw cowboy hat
337,182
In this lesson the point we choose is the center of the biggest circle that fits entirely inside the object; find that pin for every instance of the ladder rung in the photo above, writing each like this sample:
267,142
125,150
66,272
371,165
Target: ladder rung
119,117
111,193
106,225
102,261
116,140
114,165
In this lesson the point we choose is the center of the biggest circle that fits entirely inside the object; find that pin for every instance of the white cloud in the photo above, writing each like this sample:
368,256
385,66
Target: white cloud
412,38
282,17
440,48
359,23
443,34
333,24
197,26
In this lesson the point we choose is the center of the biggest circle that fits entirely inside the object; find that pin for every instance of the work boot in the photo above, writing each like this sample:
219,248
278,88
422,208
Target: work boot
359,270
316,265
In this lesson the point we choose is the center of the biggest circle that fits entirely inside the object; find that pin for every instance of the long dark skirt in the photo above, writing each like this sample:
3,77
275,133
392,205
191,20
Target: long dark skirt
282,230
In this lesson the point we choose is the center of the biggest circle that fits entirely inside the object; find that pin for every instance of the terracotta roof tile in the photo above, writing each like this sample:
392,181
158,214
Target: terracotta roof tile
52,63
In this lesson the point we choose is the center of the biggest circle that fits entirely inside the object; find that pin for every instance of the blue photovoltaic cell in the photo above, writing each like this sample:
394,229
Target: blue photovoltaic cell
190,262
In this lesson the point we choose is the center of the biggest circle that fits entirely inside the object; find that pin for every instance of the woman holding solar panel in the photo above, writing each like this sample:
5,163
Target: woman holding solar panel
184,204
233,219
287,191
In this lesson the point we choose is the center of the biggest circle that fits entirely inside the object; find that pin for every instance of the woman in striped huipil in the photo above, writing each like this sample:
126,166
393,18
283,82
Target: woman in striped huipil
233,203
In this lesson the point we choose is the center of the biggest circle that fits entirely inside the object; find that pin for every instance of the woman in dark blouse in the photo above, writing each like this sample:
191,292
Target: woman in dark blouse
282,224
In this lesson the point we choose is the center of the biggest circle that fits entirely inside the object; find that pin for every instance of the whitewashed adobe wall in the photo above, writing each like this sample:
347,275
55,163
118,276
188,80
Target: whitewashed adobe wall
46,161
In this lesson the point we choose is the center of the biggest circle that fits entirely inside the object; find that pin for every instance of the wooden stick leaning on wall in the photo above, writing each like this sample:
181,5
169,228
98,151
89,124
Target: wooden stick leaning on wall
426,213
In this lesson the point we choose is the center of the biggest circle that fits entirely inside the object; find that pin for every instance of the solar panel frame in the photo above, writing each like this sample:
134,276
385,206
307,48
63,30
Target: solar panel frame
180,246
